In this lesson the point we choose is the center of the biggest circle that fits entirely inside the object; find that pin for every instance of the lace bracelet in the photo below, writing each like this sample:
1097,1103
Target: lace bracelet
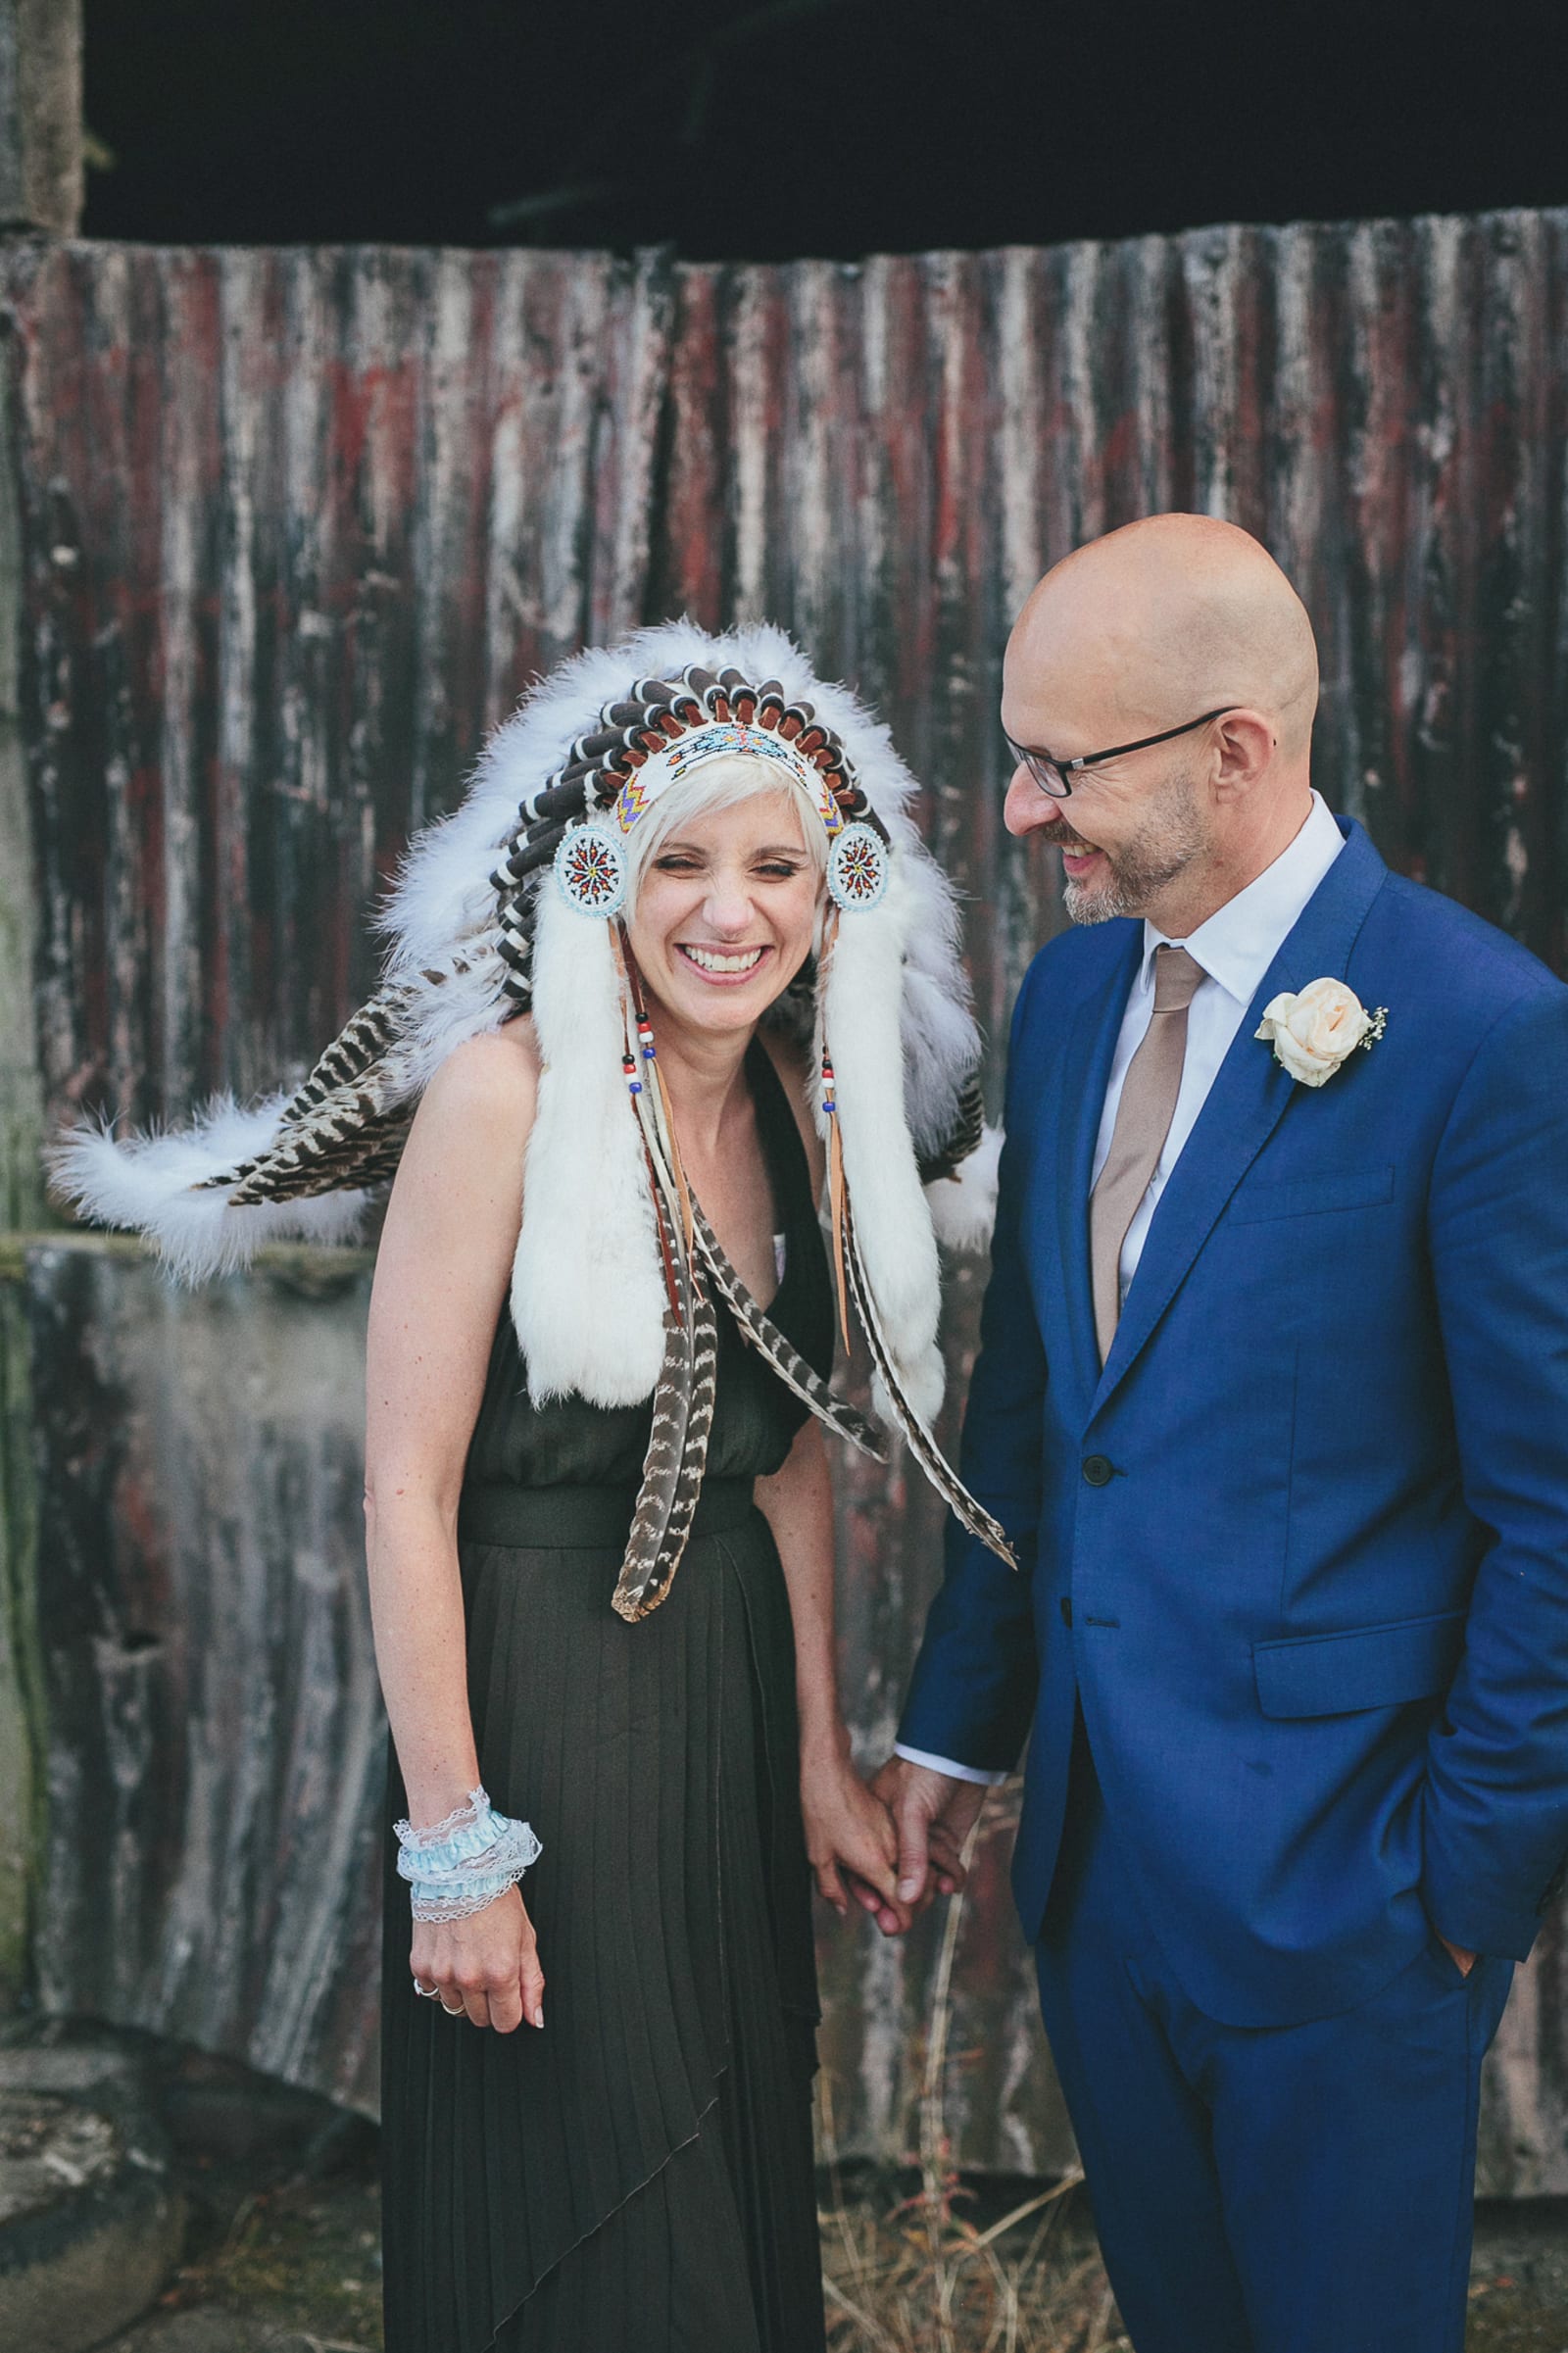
463,1862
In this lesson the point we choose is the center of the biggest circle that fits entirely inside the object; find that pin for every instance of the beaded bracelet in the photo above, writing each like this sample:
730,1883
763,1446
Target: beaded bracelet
462,1863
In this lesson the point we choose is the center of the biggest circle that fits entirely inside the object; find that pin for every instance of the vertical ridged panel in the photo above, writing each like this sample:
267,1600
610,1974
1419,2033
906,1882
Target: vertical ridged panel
298,527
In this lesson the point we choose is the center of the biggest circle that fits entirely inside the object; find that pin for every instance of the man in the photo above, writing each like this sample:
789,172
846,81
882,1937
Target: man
1273,1398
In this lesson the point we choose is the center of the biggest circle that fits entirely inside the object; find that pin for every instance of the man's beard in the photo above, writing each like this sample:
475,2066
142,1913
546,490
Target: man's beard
1171,837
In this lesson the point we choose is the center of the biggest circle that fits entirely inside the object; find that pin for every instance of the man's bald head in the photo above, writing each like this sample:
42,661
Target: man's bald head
1180,629
1157,621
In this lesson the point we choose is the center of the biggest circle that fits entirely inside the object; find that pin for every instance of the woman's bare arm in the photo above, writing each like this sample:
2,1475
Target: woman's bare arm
441,1280
846,1828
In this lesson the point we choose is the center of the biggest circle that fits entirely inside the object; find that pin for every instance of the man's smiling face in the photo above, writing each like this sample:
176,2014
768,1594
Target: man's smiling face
1132,825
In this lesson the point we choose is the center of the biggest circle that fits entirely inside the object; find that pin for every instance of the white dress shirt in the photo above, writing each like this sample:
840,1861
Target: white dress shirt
1236,948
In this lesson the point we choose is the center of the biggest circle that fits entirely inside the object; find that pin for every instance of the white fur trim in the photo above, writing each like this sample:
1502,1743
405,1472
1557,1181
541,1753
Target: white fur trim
963,1206
147,1185
862,995
587,1294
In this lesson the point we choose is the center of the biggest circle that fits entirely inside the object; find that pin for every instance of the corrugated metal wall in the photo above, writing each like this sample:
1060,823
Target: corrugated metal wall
297,528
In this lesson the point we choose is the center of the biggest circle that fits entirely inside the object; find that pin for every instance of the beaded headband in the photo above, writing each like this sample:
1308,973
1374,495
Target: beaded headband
704,715
726,739
671,742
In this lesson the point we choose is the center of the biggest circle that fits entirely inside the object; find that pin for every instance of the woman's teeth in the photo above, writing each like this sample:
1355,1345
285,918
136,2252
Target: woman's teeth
711,962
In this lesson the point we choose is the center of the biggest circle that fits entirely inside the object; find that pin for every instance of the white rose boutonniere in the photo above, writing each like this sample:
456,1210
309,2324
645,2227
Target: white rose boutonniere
1313,1033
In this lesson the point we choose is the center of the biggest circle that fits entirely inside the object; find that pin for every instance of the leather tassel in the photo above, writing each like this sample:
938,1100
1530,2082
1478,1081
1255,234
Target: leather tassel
673,1141
637,1084
672,1284
663,1112
836,1196
922,1445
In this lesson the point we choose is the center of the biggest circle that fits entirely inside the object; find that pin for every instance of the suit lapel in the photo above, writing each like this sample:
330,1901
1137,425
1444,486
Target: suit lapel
1245,1104
1085,1073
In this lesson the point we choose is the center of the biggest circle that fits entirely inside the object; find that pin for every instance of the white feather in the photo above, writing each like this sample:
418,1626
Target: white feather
587,1292
963,1206
148,1185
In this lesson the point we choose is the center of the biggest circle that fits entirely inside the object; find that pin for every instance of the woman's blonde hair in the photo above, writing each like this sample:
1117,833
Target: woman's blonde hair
718,784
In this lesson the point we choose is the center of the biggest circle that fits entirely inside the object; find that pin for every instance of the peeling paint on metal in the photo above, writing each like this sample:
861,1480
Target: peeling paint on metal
296,529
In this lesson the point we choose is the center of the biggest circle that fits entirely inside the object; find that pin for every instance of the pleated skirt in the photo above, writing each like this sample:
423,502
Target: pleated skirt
636,2176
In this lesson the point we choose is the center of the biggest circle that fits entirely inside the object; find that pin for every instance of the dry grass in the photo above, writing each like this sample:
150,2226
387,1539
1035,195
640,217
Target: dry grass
911,2275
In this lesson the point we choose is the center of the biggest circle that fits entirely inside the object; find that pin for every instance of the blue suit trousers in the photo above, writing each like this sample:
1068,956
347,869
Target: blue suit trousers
1304,2188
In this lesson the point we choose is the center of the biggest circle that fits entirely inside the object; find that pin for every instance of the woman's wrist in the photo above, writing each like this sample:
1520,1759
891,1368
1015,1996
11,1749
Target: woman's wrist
431,1800
459,1864
824,1741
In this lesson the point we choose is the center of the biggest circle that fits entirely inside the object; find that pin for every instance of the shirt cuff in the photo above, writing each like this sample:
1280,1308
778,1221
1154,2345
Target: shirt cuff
946,1764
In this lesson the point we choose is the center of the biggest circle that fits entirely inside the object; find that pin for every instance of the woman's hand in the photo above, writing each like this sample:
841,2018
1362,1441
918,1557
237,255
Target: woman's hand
848,1830
486,1964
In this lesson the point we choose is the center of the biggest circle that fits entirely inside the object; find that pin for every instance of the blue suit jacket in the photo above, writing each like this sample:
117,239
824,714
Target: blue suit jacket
1301,1547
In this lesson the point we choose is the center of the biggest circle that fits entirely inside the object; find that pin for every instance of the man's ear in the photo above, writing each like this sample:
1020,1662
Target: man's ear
1245,745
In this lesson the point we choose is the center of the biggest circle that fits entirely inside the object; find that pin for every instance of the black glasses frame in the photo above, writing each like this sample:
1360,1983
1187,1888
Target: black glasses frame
1043,766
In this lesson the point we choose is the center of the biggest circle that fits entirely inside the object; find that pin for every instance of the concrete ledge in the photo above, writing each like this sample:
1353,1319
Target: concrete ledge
90,2225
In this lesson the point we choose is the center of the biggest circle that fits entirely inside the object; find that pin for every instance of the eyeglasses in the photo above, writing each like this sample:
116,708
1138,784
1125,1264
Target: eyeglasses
1054,776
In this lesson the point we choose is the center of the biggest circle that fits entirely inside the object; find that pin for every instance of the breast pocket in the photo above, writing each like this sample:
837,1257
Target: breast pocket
1331,1189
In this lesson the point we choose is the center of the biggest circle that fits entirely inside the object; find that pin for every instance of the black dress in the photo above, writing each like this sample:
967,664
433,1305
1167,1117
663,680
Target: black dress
637,2177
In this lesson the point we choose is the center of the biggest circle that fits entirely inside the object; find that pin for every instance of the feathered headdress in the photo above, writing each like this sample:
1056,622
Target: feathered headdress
512,903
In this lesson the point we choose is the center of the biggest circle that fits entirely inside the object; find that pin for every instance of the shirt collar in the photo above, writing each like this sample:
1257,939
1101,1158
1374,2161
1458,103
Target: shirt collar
1240,941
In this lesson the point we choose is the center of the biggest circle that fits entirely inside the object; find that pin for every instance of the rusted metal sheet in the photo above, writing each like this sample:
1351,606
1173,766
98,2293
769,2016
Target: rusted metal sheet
215,1751
297,528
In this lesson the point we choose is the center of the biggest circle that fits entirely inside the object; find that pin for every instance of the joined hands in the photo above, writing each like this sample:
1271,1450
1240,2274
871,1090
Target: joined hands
915,1822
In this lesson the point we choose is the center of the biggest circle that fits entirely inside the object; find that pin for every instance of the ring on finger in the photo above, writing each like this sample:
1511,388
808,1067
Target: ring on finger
451,2013
426,1992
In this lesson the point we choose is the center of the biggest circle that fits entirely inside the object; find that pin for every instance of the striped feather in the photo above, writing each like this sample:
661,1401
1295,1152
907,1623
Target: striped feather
351,1141
684,1395
922,1445
962,1138
678,1440
765,1336
347,1123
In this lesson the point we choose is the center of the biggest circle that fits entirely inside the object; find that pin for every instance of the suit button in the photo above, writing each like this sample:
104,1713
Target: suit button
1099,1470
1065,1606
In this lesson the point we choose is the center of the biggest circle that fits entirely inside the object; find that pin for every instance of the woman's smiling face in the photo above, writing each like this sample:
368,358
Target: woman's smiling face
727,909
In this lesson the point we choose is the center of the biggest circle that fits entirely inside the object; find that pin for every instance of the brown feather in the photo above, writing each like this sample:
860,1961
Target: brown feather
764,1335
684,1398
922,1445
961,1139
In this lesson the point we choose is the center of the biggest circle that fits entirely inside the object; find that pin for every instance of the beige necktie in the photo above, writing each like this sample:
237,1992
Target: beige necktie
1143,1122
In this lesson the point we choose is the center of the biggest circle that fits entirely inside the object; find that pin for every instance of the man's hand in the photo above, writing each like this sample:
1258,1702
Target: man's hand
1462,1960
933,1815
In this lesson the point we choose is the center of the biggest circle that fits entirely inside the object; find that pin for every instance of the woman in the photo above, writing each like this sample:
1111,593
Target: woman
600,1334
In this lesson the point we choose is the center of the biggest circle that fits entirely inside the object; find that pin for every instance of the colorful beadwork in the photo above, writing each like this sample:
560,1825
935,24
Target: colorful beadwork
718,741
857,868
592,869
